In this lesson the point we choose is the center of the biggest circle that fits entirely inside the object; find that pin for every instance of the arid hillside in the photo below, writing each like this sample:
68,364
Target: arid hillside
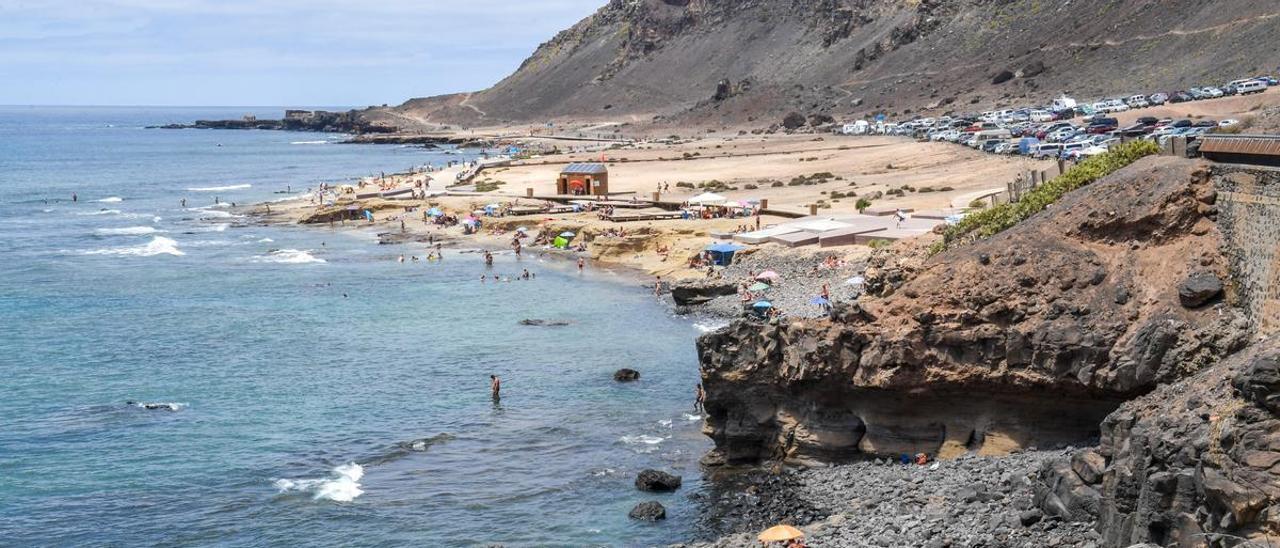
737,62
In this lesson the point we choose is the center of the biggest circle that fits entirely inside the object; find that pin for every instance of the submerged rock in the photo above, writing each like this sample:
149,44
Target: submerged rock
545,323
626,375
657,481
648,511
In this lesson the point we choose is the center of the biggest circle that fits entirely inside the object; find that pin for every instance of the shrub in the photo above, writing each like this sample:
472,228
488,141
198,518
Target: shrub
879,244
683,184
777,184
793,120
925,189
978,204
750,186
894,192
997,219
862,204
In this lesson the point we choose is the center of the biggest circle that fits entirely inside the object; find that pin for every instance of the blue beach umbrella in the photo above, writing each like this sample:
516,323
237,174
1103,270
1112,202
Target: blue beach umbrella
434,212
762,305
819,301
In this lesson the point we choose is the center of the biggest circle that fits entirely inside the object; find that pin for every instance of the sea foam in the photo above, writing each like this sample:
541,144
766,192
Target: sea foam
343,484
219,188
288,256
158,245
111,200
641,439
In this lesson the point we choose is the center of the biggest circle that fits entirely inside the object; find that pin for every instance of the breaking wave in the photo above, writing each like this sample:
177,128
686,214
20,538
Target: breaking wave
127,231
309,142
158,245
111,200
168,406
709,326
342,485
288,256
219,188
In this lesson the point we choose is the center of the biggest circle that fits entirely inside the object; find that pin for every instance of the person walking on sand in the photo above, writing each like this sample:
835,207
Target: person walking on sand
495,385
699,397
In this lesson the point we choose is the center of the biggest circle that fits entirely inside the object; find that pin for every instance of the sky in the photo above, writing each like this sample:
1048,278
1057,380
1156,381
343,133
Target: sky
266,52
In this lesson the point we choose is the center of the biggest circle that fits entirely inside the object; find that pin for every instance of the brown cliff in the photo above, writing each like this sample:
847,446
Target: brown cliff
1028,338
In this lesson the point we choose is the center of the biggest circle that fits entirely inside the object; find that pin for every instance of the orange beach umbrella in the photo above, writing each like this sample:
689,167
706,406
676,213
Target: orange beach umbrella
780,533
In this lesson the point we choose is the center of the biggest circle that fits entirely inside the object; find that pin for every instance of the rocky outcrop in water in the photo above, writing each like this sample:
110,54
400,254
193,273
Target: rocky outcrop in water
657,481
648,511
1029,338
695,292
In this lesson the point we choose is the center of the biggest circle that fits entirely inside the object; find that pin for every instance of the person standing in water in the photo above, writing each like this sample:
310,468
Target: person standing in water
657,287
581,264
74,198
495,385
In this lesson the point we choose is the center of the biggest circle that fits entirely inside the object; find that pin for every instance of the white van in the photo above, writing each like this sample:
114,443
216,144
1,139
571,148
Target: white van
1138,101
1252,86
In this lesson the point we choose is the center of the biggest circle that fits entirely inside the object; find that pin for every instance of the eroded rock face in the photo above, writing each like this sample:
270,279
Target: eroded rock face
695,292
1028,338
1189,461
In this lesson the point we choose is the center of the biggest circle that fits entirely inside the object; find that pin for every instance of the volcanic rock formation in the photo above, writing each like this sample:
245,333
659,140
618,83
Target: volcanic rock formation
1028,338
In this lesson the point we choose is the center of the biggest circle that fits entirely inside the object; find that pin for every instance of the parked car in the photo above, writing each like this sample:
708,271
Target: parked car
1269,80
1040,116
1182,123
1229,122
1213,92
1158,98
1205,123
1137,101
1150,121
1181,97
1199,94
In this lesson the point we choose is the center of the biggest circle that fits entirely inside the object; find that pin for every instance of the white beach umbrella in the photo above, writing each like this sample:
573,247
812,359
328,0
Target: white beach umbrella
707,198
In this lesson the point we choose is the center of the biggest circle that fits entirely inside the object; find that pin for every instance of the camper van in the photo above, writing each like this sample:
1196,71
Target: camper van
857,128
1252,86
1064,103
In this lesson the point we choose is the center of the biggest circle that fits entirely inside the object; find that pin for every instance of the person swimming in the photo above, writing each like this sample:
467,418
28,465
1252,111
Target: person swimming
495,385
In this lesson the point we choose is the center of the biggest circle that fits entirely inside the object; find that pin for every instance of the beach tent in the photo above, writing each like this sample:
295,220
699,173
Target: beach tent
560,243
855,281
759,286
820,301
762,305
722,254
768,275
566,234
434,212
368,215
707,198
492,209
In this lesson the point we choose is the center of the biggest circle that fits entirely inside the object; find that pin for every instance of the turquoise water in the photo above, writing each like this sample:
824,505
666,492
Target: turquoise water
325,393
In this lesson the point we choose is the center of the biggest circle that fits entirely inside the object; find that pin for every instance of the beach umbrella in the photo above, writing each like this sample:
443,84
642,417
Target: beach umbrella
856,280
434,212
819,301
522,229
567,234
762,305
768,275
707,198
759,286
781,533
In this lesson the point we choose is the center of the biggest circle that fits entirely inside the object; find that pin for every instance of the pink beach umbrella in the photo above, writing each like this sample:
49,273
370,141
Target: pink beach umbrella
768,275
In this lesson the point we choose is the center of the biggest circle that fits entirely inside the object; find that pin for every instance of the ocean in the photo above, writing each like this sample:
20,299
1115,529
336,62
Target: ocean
311,390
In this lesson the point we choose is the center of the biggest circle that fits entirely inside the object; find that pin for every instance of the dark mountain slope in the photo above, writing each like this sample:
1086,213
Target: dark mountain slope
725,61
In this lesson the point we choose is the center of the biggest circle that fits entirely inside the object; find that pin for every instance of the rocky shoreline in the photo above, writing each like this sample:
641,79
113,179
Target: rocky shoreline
967,502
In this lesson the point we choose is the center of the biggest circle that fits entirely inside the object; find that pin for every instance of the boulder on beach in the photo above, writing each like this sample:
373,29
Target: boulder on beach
657,481
626,375
648,511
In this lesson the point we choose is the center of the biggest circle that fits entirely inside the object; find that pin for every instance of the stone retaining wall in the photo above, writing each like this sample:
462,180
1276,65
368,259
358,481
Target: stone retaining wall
1249,216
